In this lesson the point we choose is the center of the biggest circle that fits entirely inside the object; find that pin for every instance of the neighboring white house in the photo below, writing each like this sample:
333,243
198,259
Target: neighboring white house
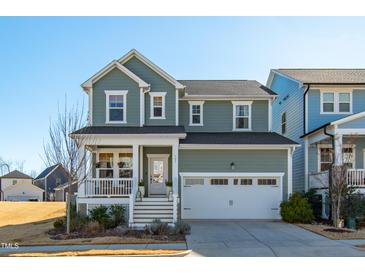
17,186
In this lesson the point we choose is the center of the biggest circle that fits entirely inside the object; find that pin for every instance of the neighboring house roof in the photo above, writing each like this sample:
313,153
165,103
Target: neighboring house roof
63,186
240,138
326,76
114,64
16,174
134,53
130,130
46,172
340,121
224,88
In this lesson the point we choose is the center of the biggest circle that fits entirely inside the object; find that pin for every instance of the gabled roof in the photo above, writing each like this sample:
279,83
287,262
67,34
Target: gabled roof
225,88
114,64
134,53
47,172
16,174
325,75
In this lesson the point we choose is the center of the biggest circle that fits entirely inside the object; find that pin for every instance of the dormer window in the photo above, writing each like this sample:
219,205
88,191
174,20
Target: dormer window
336,102
157,105
196,113
242,115
116,106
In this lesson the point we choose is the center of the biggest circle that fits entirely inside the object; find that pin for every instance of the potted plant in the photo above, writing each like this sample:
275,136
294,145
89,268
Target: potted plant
168,188
141,188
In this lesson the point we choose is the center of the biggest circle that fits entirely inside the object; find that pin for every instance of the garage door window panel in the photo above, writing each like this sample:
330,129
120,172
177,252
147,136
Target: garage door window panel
218,181
242,181
267,182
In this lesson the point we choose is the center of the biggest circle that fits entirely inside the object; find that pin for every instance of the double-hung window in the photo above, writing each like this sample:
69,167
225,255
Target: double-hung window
326,157
242,115
116,106
157,105
105,166
196,113
336,102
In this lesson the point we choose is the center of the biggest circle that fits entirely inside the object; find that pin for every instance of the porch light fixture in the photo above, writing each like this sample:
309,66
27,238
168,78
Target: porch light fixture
233,166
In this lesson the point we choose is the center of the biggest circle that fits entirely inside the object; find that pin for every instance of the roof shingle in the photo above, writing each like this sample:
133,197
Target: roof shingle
16,174
130,130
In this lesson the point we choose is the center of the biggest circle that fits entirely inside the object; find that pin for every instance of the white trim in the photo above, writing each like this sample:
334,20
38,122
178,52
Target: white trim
290,171
115,152
349,118
227,146
90,94
177,107
188,97
140,163
270,102
306,152
336,102
163,157
134,53
242,103
191,104
45,177
116,92
363,158
306,111
101,73
350,131
162,95
319,146
231,174
175,169
288,77
141,108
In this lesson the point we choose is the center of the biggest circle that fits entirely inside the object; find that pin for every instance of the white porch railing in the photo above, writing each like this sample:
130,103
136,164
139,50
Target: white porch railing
356,177
108,187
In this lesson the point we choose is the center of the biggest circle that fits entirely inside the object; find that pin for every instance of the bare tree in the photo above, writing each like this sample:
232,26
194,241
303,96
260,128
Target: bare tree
4,166
62,149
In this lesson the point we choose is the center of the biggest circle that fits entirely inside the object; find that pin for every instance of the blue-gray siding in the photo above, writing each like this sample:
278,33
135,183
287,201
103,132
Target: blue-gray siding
158,84
293,106
116,80
218,116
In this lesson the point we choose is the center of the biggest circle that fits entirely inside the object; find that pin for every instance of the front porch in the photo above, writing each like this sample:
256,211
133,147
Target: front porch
134,174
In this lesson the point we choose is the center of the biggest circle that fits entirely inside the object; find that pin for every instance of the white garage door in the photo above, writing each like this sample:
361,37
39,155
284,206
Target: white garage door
21,198
218,196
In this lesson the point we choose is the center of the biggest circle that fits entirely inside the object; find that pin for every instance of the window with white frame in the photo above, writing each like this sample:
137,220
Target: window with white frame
114,163
283,123
336,102
125,165
104,166
326,156
116,106
157,105
241,115
196,113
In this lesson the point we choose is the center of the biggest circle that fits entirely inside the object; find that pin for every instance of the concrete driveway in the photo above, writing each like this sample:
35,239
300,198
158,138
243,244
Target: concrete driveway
263,239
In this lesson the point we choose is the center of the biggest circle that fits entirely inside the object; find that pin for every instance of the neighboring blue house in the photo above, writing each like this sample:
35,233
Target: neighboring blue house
318,108
51,178
181,149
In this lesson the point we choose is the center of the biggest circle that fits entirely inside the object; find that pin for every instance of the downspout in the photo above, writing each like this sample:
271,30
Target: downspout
330,170
304,110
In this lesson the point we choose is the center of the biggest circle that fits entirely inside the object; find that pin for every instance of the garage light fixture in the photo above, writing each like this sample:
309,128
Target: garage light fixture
233,166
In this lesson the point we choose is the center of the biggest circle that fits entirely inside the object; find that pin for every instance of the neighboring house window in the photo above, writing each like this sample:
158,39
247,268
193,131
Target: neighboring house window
242,115
58,181
116,106
157,105
14,182
266,182
219,181
336,102
196,113
325,157
104,166
125,165
283,123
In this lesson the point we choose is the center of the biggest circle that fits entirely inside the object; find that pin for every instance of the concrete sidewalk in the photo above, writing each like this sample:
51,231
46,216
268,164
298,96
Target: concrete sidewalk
61,248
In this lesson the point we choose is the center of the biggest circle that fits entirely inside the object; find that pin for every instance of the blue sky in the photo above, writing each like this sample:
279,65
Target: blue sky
42,59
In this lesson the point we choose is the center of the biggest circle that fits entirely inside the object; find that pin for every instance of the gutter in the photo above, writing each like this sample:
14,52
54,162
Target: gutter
304,109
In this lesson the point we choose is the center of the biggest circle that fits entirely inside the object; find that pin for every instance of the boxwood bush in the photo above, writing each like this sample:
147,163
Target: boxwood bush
296,210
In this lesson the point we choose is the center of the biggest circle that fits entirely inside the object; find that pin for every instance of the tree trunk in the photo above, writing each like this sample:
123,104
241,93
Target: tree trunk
68,211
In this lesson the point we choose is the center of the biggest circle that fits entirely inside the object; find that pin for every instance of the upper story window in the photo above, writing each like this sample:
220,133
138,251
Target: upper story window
116,106
196,113
157,105
336,102
283,123
242,115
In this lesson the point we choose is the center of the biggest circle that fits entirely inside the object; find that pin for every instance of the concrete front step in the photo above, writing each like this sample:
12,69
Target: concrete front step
149,221
153,203
153,207
157,199
147,211
153,216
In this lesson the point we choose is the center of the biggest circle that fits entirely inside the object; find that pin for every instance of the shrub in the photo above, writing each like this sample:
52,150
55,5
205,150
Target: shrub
117,214
169,184
182,228
296,210
93,227
315,200
353,206
59,224
100,214
159,228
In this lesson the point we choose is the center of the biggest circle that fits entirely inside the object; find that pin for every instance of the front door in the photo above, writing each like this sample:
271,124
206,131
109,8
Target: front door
158,175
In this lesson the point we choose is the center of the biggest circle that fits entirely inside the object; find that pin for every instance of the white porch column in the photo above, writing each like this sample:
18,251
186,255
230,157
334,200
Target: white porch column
175,168
135,166
338,150
290,171
81,171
